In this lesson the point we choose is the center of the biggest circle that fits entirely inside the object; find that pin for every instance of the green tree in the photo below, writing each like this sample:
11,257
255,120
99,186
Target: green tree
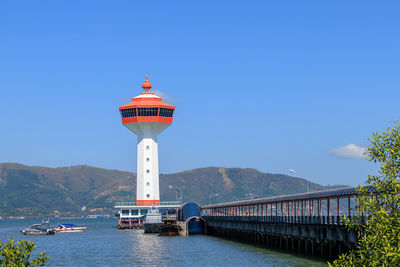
379,231
12,254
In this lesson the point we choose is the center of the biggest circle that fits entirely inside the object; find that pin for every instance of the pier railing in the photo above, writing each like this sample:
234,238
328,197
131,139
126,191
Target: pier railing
162,203
321,207
311,220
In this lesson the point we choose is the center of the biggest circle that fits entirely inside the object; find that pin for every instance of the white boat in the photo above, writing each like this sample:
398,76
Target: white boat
69,228
153,221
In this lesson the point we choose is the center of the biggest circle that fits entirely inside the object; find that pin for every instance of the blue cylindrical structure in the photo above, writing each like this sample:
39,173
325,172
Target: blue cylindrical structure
190,210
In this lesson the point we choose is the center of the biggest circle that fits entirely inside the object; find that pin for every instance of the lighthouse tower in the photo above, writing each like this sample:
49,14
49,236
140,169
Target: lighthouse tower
147,116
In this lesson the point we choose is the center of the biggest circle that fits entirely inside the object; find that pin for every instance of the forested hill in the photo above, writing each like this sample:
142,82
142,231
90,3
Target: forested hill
37,191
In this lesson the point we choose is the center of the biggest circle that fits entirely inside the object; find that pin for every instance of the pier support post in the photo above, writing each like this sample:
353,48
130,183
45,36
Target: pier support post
322,249
299,246
312,247
305,246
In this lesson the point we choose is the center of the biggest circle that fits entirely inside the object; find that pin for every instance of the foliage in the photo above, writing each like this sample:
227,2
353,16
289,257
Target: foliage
12,254
379,233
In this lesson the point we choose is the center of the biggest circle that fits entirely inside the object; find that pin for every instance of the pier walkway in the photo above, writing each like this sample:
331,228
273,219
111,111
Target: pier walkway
308,223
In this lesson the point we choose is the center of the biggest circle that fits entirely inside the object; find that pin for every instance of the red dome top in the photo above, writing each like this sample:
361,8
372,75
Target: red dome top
147,85
147,107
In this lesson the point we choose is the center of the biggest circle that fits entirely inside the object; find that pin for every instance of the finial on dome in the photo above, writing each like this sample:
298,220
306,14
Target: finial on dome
146,86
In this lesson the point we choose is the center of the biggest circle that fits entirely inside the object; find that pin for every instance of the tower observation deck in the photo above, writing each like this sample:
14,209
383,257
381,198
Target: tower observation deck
147,116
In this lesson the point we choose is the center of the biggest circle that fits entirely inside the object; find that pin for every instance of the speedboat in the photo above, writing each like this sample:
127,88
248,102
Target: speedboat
69,228
38,229
153,221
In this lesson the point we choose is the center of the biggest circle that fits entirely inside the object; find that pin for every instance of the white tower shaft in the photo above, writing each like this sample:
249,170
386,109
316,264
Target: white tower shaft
147,185
147,169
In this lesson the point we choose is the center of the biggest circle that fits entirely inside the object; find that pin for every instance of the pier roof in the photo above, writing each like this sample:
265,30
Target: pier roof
340,192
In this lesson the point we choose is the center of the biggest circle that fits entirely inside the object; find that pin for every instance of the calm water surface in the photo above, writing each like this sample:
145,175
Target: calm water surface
102,244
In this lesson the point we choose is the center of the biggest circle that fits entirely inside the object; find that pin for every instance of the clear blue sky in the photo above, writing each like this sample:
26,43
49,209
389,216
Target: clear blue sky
271,85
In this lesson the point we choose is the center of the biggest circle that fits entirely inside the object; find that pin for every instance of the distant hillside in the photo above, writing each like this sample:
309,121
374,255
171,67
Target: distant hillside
37,191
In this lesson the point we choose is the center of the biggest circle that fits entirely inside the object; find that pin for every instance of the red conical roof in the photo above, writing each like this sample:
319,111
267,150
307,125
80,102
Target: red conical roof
146,86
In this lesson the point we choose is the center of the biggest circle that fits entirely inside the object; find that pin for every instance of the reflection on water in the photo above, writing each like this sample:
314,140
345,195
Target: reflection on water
102,244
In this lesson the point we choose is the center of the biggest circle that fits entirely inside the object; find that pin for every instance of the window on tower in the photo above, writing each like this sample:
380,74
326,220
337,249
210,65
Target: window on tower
148,183
147,159
147,171
147,147
148,195
166,112
146,112
127,113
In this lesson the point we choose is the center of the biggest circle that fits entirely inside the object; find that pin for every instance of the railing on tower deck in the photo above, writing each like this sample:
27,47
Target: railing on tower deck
162,203
321,207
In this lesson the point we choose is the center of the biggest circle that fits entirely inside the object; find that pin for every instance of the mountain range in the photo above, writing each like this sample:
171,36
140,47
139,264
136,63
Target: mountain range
33,191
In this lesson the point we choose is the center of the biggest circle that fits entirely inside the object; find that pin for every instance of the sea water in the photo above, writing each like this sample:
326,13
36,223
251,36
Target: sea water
102,244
